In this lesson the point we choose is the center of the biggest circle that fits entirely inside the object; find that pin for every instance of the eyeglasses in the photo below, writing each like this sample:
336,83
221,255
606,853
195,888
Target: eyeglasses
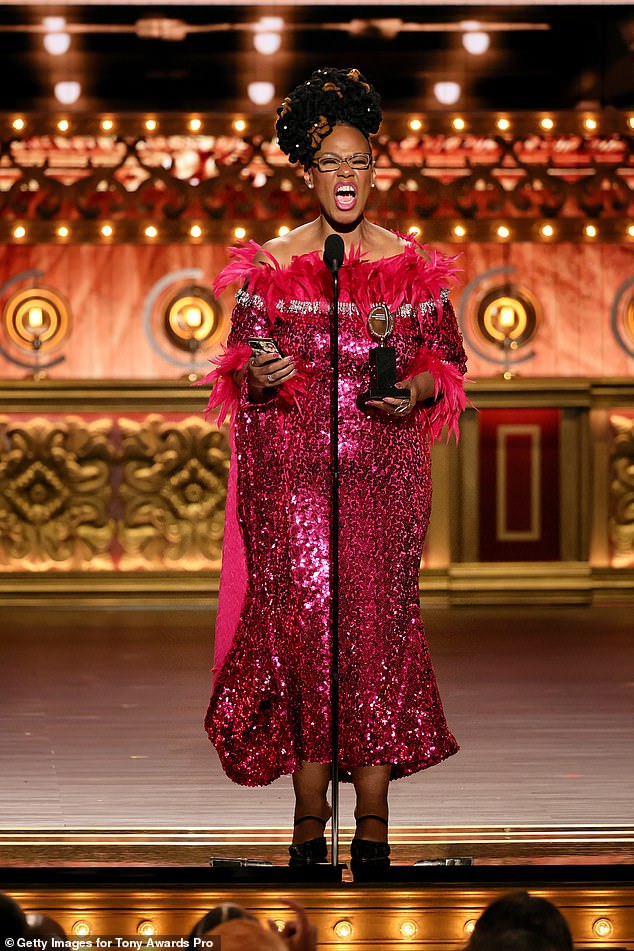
358,162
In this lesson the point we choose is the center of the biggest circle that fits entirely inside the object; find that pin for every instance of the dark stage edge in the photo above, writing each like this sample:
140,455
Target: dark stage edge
427,876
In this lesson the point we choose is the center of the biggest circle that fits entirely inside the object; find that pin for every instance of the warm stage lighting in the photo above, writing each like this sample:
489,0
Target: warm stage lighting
261,93
284,229
18,124
469,925
408,928
476,42
415,125
503,232
415,231
67,92
630,122
590,231
459,231
195,125
63,125
447,93
240,233
503,124
630,231
343,929
150,125
56,39
458,124
196,231
19,232
151,232
106,231
62,231
547,124
602,927
107,125
267,38
547,231
81,929
239,125
146,928
590,124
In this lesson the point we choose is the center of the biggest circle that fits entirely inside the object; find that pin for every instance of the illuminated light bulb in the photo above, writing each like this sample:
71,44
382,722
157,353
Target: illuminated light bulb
503,232
415,230
62,231
195,125
239,125
508,375
150,125
447,93
81,928
630,231
150,231
107,125
146,928
458,124
280,924
193,317
35,318
196,231
54,24
282,230
261,92
590,231
547,123
503,124
630,121
18,124
476,42
106,231
547,231
408,928
469,925
602,927
590,124
507,317
240,233
57,43
415,125
67,92
19,231
343,928
459,231
63,125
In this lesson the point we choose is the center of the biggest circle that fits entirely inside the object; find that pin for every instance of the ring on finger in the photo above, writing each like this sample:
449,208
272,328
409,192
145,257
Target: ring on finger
269,378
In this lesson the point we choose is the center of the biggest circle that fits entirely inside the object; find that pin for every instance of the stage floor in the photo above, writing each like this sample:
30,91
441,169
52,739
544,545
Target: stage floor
104,755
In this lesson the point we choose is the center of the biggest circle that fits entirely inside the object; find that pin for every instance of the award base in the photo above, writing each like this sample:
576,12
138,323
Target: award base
382,377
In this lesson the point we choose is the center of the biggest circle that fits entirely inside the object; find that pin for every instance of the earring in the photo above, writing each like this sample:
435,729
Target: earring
373,185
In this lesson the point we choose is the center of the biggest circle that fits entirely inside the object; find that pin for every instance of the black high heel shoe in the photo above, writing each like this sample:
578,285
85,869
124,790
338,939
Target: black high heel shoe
311,852
369,860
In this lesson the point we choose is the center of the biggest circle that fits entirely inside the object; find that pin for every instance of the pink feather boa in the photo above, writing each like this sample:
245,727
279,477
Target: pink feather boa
448,391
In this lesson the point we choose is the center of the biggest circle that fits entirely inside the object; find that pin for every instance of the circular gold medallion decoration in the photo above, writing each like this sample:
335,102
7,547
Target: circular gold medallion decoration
193,319
507,315
36,319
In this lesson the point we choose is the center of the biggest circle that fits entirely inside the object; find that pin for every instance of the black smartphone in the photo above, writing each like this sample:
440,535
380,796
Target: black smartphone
265,345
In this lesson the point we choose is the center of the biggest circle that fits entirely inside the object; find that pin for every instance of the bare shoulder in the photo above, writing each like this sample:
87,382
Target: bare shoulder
300,240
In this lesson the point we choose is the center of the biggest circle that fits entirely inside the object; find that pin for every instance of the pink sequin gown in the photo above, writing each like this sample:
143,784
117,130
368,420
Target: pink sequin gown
270,707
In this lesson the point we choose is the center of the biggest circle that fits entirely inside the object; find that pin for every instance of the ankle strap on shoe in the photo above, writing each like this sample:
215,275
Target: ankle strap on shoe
314,819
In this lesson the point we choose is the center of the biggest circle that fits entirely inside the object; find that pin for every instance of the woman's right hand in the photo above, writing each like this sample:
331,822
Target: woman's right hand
265,374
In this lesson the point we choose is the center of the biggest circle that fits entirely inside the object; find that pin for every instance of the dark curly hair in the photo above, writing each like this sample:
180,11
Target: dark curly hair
329,97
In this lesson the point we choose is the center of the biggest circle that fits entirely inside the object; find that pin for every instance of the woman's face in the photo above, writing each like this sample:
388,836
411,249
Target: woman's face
342,193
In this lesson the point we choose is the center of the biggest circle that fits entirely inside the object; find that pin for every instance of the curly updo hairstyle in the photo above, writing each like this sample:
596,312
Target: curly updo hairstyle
329,97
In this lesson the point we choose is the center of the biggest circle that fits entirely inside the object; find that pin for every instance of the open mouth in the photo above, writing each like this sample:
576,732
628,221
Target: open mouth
345,195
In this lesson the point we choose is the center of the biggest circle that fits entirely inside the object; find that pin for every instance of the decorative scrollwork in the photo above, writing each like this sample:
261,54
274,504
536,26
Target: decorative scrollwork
173,492
622,491
55,493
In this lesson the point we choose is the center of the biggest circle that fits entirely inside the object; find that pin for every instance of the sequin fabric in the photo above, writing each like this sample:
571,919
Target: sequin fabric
270,707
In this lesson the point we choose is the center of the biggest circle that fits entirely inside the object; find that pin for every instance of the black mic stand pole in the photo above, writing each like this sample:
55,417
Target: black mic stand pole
333,258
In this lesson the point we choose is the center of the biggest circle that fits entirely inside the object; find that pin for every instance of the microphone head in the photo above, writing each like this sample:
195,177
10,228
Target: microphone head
333,252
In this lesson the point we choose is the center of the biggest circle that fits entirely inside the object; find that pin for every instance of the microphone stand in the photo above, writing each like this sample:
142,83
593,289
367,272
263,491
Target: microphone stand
333,257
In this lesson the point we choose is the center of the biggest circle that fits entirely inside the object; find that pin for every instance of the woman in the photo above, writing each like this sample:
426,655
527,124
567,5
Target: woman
270,709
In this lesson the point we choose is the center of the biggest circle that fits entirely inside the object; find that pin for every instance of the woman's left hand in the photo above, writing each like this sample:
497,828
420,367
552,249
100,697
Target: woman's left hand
395,407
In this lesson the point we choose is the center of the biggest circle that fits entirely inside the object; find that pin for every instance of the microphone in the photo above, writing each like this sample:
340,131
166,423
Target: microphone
333,252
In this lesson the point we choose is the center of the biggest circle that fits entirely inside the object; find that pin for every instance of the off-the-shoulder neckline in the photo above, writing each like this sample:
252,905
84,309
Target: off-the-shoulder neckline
354,256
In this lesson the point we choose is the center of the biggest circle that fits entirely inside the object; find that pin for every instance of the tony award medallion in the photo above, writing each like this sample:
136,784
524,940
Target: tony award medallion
382,359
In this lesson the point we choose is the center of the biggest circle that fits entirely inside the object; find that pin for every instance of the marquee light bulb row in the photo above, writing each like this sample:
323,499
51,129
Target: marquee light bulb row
195,124
461,231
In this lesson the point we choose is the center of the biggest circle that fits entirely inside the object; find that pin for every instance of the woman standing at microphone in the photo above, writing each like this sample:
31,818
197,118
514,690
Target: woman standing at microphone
269,713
